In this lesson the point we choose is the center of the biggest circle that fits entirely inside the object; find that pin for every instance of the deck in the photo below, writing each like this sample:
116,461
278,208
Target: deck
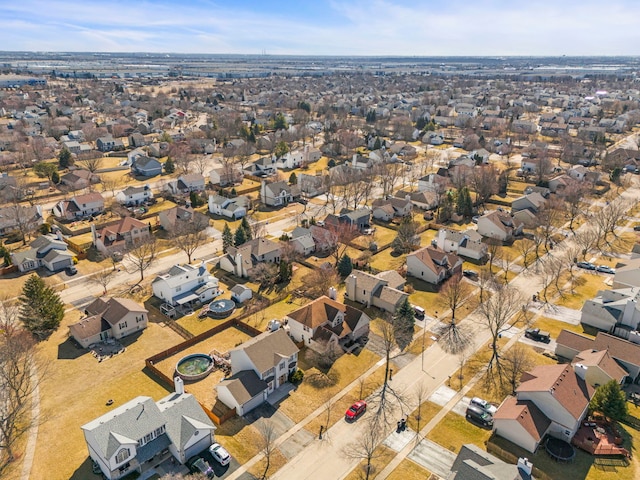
599,439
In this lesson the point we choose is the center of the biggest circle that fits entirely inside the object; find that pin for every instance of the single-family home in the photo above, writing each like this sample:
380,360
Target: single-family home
131,195
181,218
386,210
15,216
384,290
226,175
433,265
499,225
627,273
233,208
79,179
550,400
598,367
241,293
80,206
185,284
532,165
120,236
185,184
146,166
302,241
239,260
467,244
277,194
312,185
258,367
109,318
473,463
136,140
614,311
560,182
141,433
48,251
425,200
532,201
326,325
434,182
262,167
359,219
109,144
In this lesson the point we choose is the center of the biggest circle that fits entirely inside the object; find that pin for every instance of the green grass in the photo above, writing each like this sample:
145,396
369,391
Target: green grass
454,431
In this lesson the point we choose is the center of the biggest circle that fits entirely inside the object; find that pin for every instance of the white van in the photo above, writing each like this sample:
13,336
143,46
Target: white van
419,311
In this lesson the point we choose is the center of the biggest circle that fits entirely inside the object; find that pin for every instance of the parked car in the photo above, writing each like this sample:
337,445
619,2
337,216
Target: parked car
355,410
605,269
586,265
200,465
418,311
537,335
470,273
483,404
220,454
637,228
71,270
479,415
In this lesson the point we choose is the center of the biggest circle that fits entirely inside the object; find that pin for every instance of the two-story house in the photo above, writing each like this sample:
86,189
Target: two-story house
258,367
467,244
185,184
146,166
433,265
80,206
499,225
225,176
184,284
532,202
239,260
134,195
120,236
326,325
179,218
615,311
233,208
277,194
48,251
79,179
109,318
302,241
384,290
108,144
386,210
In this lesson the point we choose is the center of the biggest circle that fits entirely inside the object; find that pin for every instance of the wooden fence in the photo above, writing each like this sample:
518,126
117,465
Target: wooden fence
513,459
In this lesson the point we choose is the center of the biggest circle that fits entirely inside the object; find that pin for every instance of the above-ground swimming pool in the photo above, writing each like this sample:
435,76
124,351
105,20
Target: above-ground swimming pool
194,367
221,308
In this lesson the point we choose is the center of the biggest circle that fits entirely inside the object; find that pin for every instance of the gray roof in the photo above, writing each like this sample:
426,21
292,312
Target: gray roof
113,309
473,463
244,385
184,416
267,349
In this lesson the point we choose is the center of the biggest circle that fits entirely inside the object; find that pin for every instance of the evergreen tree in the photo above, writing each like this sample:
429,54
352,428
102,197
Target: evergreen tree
64,158
445,210
293,179
285,271
196,200
280,123
345,265
227,238
55,177
169,166
407,238
610,401
331,163
41,309
405,318
377,144
247,228
240,236
503,183
421,123
371,116
464,205
281,149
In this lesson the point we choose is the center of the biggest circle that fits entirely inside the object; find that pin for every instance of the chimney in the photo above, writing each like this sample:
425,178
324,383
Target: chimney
332,293
178,385
525,465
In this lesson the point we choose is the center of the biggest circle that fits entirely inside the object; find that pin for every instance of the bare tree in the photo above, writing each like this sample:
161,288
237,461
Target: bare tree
265,274
267,442
525,247
364,448
142,256
516,361
318,282
103,278
452,337
200,164
494,249
91,161
336,238
574,198
550,217
189,236
421,393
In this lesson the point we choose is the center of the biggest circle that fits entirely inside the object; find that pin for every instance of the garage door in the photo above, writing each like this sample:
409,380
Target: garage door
60,265
253,403
198,447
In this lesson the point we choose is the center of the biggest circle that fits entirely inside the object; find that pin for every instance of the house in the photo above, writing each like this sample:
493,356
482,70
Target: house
324,324
551,399
425,200
278,194
384,290
140,434
628,274
360,218
499,225
559,183
239,260
109,318
146,166
396,207
258,367
226,176
80,206
132,196
433,265
109,144
182,217
184,284
241,293
233,208
467,244
473,463
433,182
302,241
185,184
262,167
15,216
531,166
121,236
48,251
79,179
136,140
613,311
312,185
625,352
598,367
532,201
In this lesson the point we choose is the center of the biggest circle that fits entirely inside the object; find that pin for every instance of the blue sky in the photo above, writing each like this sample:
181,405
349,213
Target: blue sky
325,27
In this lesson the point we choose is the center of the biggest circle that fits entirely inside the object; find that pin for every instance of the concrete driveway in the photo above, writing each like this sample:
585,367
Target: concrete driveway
433,457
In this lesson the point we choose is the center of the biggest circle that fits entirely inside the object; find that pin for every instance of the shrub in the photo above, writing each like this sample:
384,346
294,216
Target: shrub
296,376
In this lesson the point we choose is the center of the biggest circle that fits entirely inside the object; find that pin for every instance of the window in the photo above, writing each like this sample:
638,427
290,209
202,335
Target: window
268,373
122,325
281,366
122,455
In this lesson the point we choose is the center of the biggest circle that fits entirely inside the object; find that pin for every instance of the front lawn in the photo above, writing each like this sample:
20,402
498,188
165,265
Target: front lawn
586,286
455,430
409,470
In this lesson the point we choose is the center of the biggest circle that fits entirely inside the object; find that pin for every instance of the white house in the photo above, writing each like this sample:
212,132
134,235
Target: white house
233,208
48,251
134,195
109,318
384,290
191,182
433,265
277,194
141,433
613,310
258,367
184,284
241,293
302,241
499,225
239,260
225,176
467,244
532,201
79,206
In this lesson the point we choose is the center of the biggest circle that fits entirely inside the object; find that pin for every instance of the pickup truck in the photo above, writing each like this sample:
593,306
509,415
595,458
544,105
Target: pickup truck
537,335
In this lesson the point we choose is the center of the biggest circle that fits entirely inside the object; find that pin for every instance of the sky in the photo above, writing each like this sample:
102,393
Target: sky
324,27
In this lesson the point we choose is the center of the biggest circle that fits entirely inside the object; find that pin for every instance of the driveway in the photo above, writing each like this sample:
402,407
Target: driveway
433,457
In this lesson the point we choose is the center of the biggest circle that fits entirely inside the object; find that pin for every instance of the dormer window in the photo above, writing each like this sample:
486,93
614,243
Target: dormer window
122,455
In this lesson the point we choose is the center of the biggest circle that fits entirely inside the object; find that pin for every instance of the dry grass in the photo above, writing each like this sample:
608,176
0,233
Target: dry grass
424,295
586,286
387,260
454,431
473,365
408,470
276,462
382,456
239,438
428,410
555,326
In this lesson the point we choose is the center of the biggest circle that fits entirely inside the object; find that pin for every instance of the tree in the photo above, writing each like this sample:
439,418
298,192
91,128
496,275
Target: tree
169,166
280,123
445,208
525,247
318,281
267,442
91,163
265,274
195,199
452,337
293,179
281,149
64,158
404,323
407,238
365,447
240,236
189,236
610,401
41,309
246,226
45,170
285,269
103,278
464,205
516,361
345,266
142,256
227,238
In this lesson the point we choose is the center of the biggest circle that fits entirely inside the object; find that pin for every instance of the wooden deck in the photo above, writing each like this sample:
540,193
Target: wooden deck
599,439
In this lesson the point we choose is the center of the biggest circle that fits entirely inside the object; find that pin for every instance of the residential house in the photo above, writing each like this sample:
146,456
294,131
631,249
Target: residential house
560,182
136,140
109,144
185,284
140,434
499,225
614,311
325,325
262,167
278,194
302,241
185,184
132,196
241,293
598,367
433,265
233,208
628,274
532,202
15,216
311,185
425,200
79,179
48,251
109,318
434,182
73,146
146,166
532,165
467,244
258,367
551,399
226,176
473,463
384,290
239,260
359,219
386,210
121,236
182,217
80,206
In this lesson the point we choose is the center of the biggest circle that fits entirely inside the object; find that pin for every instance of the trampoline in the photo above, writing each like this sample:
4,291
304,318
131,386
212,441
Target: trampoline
560,450
221,308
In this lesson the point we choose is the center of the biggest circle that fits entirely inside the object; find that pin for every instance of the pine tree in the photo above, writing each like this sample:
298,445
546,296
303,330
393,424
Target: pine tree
286,271
377,145
610,401
169,166
248,235
345,265
464,205
240,236
64,158
227,238
446,208
41,309
293,179
405,318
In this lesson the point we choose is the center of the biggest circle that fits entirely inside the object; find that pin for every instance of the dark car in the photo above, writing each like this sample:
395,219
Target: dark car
479,416
537,335
355,410
470,273
200,465
637,228
586,265
71,270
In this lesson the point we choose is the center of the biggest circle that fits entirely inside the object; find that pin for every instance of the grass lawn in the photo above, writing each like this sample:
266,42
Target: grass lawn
586,286
427,236
381,457
555,326
408,470
455,430
473,365
428,410
387,260
382,236
424,295
276,462
320,384
239,437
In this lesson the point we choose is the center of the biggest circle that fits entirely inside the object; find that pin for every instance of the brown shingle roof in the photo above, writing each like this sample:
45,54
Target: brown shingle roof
603,360
574,341
88,327
526,414
244,385
318,312
267,349
619,348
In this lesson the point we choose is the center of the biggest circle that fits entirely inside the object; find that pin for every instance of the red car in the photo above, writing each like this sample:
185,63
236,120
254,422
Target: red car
356,410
